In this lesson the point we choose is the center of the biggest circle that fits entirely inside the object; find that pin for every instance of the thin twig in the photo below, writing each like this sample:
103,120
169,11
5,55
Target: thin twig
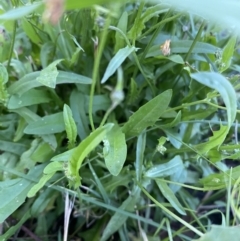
30,234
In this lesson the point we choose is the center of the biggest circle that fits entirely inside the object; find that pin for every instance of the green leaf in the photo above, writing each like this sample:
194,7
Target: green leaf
42,202
220,180
19,132
83,149
214,141
14,192
3,82
147,114
175,122
118,219
228,53
47,125
29,81
139,23
115,150
46,52
63,157
32,97
227,92
210,11
46,177
26,162
72,4
20,12
12,147
141,145
78,107
176,58
48,76
53,167
122,25
183,46
70,126
169,195
42,153
166,169
116,61
221,233
30,31
14,229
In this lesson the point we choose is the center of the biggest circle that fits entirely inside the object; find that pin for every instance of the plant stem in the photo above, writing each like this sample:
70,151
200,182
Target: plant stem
171,213
96,69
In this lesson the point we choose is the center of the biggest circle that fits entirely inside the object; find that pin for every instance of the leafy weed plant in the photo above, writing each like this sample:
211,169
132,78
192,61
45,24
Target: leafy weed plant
118,121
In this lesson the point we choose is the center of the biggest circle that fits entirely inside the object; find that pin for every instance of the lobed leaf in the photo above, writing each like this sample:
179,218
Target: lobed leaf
48,76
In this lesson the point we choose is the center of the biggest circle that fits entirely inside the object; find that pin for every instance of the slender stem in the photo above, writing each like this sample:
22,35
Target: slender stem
171,213
107,114
160,23
12,44
195,41
96,69
212,123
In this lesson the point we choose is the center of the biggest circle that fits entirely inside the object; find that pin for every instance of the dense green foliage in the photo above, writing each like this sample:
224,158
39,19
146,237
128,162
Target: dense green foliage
118,121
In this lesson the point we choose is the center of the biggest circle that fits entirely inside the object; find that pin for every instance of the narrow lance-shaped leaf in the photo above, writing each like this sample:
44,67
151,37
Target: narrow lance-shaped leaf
29,81
13,193
170,196
83,149
14,229
227,92
116,61
228,52
49,172
118,219
20,12
183,46
122,24
147,114
47,125
115,150
141,145
46,177
3,81
139,23
165,169
32,97
70,126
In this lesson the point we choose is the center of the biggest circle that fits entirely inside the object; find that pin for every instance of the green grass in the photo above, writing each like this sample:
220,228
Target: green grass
119,121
